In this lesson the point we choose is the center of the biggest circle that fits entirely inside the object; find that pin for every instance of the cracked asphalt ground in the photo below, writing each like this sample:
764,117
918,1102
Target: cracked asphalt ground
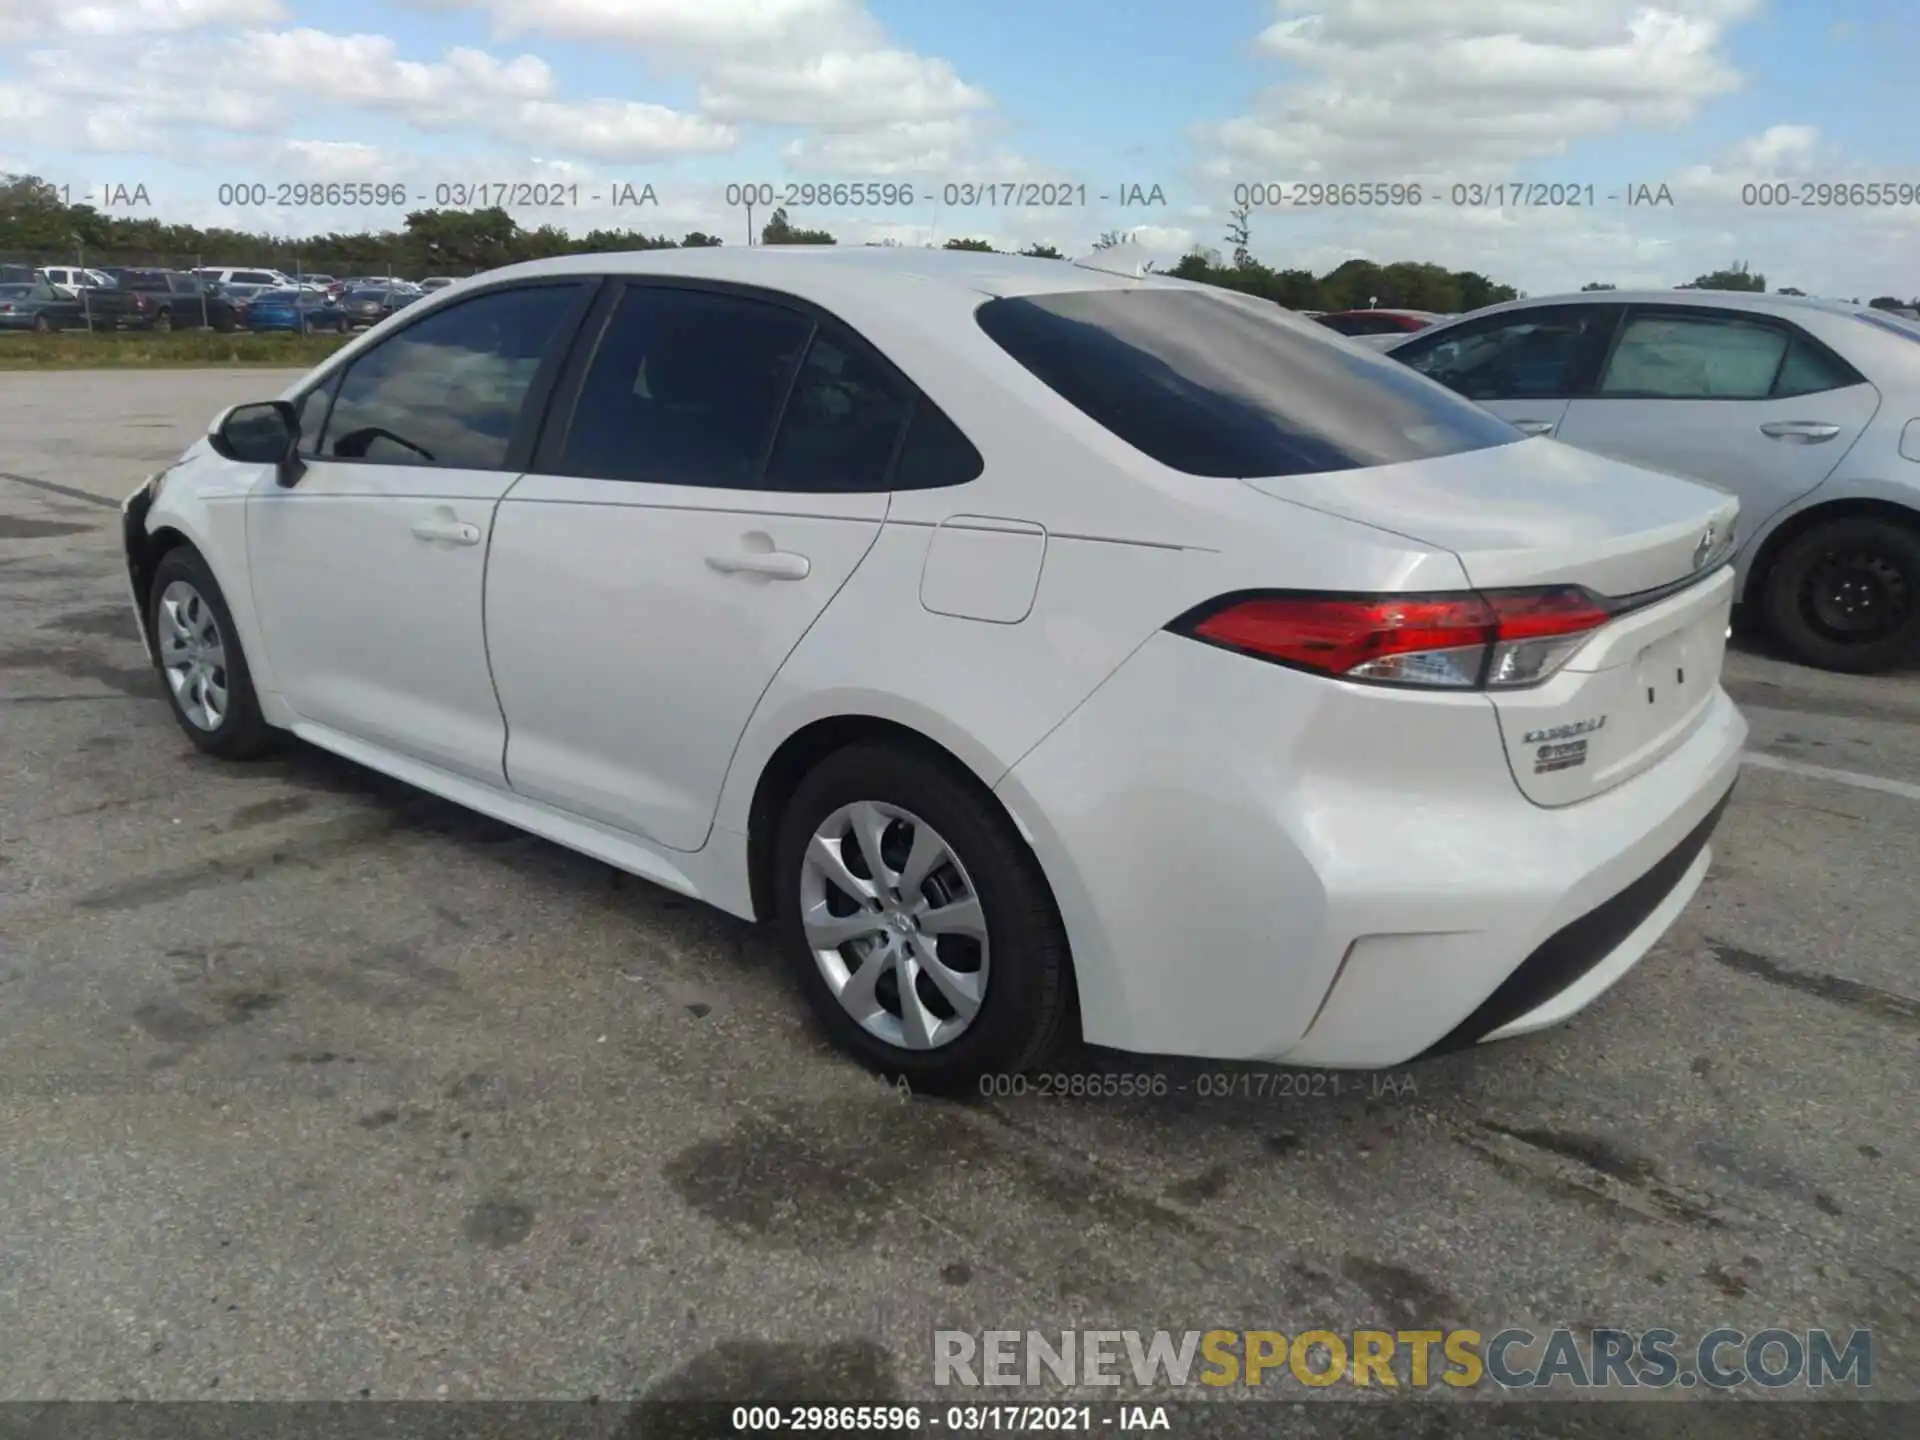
315,1087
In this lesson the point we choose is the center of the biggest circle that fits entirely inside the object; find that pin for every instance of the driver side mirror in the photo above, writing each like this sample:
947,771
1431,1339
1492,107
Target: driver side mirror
266,433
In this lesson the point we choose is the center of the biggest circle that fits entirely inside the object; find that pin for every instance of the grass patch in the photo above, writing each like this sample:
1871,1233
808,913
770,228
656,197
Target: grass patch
142,350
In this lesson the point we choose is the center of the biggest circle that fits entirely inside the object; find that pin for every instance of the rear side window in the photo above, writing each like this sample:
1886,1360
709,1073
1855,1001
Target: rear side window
843,421
1811,368
685,389
1209,387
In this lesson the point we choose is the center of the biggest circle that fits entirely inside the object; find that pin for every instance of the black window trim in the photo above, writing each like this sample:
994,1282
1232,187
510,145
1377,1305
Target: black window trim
1795,335
533,410
1588,388
547,456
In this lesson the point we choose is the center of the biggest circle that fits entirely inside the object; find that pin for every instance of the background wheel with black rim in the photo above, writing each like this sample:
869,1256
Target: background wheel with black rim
197,651
1846,595
922,931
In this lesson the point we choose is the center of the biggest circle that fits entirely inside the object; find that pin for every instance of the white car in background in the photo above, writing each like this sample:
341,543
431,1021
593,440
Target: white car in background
1808,410
70,280
1039,649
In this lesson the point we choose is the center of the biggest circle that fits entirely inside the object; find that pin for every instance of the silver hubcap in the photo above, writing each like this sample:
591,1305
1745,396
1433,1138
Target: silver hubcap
194,655
895,925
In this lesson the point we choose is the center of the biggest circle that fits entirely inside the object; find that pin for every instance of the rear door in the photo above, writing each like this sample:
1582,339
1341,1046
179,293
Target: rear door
1748,402
1525,365
716,469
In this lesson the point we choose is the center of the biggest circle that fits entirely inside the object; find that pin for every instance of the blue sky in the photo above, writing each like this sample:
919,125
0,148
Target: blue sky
1704,96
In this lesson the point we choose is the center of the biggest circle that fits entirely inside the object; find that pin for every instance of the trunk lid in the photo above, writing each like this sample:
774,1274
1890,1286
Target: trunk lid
1539,513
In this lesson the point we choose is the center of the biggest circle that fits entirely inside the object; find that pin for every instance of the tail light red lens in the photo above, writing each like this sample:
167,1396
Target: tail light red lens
1461,641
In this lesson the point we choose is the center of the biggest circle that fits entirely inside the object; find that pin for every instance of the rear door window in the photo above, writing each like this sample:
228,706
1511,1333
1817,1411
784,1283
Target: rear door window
1210,387
1674,356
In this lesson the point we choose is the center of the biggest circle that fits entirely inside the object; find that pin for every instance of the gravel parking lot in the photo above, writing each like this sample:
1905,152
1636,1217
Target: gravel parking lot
311,1086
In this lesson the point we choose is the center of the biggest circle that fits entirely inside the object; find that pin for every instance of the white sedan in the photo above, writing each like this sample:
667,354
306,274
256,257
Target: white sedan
1043,651
1808,410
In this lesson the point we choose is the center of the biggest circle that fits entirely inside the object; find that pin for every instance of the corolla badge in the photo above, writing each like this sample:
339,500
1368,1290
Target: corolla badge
1705,548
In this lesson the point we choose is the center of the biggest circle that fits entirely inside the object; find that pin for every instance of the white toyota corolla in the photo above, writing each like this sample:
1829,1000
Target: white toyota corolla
1038,647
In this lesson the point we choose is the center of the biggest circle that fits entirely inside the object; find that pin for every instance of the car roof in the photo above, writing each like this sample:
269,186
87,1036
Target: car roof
1714,299
876,273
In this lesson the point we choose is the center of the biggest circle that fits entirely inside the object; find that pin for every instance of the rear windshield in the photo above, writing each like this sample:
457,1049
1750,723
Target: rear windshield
1212,386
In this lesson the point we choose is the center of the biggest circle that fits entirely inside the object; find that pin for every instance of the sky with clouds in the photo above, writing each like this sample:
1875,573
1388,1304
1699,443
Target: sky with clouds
959,101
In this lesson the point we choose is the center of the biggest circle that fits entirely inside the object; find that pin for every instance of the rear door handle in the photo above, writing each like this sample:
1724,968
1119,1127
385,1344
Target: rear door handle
1534,427
1802,432
774,564
452,532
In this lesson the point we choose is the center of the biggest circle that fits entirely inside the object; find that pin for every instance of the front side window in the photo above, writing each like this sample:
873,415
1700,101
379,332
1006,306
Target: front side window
1694,357
449,390
1543,354
1210,387
686,388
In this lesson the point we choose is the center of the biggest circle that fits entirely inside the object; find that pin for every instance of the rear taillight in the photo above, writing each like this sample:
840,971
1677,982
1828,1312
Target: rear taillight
1499,640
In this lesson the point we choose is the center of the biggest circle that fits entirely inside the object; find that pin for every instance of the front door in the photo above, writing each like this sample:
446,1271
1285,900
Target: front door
368,573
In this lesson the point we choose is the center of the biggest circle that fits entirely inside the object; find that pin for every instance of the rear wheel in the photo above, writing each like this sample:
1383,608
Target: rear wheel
198,653
163,322
1846,595
921,929
42,325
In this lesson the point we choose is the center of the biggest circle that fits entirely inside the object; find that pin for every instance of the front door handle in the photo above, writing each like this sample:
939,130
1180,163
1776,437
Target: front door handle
451,532
1534,427
774,564
1801,432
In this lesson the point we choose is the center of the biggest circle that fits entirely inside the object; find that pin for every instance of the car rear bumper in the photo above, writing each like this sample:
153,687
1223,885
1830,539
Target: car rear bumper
1258,864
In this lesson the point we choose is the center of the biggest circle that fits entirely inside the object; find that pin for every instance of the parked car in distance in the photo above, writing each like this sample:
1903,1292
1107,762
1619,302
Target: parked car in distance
291,308
40,306
72,279
1397,730
1359,323
1806,409
260,279
369,305
160,300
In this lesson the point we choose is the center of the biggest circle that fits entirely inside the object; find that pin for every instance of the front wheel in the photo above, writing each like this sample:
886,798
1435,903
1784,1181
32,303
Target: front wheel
198,654
921,929
1846,595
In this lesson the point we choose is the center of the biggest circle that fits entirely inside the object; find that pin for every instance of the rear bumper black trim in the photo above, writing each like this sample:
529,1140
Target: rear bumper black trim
1570,952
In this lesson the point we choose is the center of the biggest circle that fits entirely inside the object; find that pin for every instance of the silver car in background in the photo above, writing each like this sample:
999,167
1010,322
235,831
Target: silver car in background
1808,410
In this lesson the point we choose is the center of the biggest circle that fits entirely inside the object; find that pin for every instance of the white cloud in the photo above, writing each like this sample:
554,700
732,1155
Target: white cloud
254,83
840,90
26,19
721,25
1419,87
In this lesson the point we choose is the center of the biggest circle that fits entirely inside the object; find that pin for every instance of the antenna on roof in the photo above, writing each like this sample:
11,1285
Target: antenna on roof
1127,258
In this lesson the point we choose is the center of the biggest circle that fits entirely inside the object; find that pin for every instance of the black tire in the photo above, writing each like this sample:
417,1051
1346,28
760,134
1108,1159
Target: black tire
241,733
1024,1012
42,325
1845,595
163,322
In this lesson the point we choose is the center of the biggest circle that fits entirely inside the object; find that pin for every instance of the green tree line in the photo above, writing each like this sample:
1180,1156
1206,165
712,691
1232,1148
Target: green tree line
35,225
